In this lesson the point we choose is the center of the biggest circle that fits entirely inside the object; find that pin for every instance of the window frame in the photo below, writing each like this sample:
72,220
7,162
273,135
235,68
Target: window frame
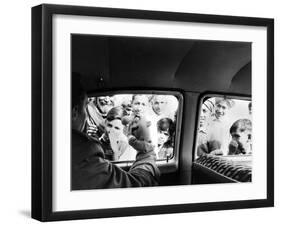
199,106
164,165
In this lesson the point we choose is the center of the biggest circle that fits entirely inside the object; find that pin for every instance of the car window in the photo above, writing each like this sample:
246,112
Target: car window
225,129
127,123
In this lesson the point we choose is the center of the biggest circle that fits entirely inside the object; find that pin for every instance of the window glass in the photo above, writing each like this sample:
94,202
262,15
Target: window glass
127,123
225,129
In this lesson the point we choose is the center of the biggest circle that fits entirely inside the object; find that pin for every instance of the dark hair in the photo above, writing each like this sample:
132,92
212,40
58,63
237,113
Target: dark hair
241,125
77,92
135,95
115,113
250,105
165,124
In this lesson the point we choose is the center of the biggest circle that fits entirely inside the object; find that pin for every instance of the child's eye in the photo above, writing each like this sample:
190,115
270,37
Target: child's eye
236,136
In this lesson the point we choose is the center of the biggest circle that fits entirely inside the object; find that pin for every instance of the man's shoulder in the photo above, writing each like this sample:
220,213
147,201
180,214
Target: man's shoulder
80,138
83,146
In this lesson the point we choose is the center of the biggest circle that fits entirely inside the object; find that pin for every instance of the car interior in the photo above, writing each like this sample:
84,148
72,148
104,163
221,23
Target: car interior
189,72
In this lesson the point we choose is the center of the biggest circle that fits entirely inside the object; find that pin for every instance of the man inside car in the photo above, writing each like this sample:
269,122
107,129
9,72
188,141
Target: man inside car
90,169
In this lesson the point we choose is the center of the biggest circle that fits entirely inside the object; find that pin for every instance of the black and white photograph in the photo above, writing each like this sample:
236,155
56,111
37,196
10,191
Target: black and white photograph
138,112
127,134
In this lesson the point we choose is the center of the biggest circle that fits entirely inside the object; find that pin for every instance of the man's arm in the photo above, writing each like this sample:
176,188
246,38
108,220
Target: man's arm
96,172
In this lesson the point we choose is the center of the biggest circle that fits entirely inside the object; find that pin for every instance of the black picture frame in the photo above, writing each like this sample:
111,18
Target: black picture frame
42,108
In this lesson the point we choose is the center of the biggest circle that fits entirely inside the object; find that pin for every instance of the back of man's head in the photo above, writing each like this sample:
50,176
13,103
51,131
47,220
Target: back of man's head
78,93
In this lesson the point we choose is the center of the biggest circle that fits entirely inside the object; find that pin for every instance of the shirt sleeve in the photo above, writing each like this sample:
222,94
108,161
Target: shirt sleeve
97,172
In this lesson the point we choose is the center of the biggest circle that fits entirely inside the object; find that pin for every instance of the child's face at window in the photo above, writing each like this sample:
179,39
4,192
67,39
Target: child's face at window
114,127
221,109
139,105
205,113
105,103
159,104
241,136
163,137
127,106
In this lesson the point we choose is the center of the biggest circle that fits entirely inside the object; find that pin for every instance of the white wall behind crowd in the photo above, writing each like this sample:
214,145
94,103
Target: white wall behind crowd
16,111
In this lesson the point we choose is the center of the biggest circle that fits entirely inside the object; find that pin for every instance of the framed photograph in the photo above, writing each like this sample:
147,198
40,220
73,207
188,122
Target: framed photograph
145,112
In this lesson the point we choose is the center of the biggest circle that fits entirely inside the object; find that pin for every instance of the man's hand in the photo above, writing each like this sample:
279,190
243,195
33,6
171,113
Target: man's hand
92,130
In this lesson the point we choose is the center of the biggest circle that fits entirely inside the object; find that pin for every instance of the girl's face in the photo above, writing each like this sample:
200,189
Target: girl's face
114,127
162,137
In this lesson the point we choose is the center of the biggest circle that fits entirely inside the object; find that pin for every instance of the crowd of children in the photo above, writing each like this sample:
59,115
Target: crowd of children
117,120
